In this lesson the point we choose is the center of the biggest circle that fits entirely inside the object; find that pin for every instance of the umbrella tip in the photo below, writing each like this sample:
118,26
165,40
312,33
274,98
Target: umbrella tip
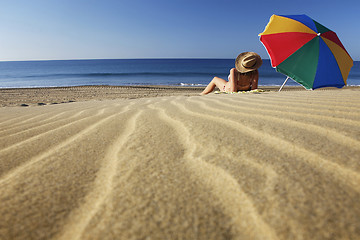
319,34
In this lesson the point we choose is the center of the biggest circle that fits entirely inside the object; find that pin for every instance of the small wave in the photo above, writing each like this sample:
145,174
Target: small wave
192,84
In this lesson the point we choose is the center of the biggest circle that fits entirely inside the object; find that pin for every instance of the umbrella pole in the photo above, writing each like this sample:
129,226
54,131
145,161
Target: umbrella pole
283,84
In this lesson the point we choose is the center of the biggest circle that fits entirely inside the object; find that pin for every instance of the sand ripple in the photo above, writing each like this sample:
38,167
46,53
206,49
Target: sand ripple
247,166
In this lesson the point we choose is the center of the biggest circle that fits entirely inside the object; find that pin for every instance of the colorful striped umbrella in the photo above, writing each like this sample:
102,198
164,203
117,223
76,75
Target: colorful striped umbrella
306,51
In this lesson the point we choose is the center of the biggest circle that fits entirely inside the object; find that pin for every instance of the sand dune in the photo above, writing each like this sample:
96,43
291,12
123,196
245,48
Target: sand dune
242,166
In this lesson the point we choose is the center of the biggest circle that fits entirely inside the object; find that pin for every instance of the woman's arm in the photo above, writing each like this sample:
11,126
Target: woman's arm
232,81
255,80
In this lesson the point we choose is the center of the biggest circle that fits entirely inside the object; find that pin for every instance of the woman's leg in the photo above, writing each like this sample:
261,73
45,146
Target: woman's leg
215,82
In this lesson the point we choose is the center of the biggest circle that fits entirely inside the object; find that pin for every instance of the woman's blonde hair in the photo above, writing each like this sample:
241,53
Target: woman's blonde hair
250,74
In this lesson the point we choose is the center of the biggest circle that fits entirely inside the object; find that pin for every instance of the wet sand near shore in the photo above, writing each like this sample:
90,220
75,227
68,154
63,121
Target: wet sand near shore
57,95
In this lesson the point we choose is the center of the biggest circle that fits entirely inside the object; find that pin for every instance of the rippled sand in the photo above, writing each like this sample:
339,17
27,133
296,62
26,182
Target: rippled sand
243,166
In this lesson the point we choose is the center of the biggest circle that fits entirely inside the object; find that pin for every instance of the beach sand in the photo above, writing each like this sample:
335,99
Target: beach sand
179,166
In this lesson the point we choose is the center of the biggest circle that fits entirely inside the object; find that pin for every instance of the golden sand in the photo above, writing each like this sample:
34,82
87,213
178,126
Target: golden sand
228,166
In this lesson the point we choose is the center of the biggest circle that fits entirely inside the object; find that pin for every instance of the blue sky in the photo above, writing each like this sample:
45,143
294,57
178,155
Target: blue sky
86,29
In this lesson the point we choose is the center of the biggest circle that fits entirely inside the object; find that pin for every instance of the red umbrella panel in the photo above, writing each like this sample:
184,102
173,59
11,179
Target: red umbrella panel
306,51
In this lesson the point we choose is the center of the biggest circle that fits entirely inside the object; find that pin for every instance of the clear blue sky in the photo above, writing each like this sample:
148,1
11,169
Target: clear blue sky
85,29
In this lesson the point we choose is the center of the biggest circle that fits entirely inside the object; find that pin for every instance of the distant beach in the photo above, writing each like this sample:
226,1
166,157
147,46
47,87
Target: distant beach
56,95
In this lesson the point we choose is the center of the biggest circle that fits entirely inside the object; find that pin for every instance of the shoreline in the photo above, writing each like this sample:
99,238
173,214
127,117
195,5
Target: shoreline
10,97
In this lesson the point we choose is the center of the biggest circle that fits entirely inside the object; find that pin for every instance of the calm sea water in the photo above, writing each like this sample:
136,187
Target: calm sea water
178,72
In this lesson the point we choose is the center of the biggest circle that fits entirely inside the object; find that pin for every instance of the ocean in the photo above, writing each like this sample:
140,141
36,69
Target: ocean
115,72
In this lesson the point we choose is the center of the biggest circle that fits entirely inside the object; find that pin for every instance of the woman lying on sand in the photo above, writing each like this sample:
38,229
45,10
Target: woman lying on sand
243,77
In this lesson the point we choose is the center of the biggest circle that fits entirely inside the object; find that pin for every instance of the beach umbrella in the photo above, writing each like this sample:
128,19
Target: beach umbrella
306,51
